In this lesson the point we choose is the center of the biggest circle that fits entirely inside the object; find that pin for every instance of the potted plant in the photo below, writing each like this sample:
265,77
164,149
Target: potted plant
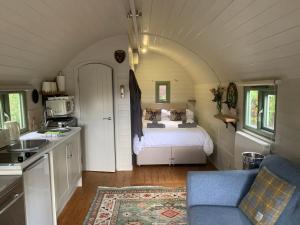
218,96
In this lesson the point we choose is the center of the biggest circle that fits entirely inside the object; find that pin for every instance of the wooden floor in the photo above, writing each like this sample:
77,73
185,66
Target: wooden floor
77,208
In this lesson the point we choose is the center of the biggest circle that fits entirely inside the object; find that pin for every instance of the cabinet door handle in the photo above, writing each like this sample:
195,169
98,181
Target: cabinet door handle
106,118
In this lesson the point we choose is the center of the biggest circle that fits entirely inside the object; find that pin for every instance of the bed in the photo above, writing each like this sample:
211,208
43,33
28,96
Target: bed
172,145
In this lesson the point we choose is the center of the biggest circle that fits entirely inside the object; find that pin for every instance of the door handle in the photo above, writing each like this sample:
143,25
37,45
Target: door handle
106,118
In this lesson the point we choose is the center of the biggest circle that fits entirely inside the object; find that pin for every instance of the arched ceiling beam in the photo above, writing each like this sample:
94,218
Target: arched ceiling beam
199,69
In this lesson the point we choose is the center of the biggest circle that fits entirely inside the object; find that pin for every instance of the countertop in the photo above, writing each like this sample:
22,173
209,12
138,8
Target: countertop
17,168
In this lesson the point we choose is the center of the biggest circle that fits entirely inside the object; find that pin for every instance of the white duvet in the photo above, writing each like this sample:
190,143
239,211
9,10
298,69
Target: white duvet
171,135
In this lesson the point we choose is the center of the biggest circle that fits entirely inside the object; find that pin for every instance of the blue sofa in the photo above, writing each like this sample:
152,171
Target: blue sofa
213,197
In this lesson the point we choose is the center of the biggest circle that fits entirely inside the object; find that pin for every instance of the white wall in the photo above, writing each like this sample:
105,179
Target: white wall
287,123
103,52
156,67
287,141
35,110
223,137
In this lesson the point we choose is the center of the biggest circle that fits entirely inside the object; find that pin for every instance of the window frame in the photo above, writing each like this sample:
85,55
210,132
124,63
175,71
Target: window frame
4,105
261,130
168,91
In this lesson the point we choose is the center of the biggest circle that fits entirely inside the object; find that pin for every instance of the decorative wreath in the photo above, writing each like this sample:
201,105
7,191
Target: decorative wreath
232,96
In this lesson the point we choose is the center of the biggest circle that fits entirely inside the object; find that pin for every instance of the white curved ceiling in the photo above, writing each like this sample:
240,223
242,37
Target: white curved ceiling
239,39
199,70
38,37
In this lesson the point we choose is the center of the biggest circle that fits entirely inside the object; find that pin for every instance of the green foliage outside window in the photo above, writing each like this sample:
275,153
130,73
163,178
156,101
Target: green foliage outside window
13,108
260,110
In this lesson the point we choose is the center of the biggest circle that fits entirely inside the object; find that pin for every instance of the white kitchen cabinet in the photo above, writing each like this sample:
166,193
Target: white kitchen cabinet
66,170
37,190
73,160
60,172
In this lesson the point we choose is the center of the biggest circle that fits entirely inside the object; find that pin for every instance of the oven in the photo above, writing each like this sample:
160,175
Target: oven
12,208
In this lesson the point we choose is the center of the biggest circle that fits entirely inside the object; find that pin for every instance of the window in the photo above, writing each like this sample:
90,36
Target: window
162,91
260,110
13,108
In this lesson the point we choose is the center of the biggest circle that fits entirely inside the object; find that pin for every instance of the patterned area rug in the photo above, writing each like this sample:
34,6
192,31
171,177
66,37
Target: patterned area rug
138,206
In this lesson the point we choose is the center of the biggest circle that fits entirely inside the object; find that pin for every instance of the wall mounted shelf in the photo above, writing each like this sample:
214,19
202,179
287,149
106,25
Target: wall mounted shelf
228,119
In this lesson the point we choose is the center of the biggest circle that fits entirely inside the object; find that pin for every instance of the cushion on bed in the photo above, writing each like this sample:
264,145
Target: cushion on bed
156,125
187,125
153,114
189,115
178,115
165,115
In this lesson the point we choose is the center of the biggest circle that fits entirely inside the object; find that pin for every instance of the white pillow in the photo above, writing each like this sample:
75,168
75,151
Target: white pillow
165,114
189,115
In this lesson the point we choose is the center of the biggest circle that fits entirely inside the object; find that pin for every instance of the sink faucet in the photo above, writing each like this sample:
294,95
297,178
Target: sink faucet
46,111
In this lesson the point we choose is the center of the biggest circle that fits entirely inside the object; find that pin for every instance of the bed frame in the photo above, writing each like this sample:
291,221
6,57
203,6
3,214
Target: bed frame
170,155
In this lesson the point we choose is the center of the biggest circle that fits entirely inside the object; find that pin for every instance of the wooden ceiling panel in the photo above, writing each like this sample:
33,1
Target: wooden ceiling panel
41,36
234,37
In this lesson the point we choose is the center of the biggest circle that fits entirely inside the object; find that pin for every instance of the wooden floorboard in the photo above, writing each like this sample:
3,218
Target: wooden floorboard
77,208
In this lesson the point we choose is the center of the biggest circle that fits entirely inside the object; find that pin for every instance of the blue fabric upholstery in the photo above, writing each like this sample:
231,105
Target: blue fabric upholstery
216,215
213,197
224,188
285,170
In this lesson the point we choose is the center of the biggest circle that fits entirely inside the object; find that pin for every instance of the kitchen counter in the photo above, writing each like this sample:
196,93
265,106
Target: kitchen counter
54,141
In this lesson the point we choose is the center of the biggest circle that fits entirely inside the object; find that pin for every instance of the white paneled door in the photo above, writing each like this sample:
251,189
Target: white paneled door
97,117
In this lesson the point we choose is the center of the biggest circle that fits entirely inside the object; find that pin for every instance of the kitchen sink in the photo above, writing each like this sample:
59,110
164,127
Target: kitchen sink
60,129
27,145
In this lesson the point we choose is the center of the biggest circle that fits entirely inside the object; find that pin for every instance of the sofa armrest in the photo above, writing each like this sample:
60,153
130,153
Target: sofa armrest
224,188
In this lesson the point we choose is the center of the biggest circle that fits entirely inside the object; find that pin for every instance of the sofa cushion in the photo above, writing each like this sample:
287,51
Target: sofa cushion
267,198
216,215
291,173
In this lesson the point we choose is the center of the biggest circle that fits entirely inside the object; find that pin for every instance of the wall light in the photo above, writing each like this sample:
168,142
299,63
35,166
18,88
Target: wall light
144,50
122,91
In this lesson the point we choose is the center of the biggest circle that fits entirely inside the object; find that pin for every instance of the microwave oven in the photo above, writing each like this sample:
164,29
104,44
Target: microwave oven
60,106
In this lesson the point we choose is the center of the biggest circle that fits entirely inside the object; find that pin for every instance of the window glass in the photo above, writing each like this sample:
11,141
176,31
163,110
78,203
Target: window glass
162,91
1,115
252,108
16,108
13,108
260,110
269,111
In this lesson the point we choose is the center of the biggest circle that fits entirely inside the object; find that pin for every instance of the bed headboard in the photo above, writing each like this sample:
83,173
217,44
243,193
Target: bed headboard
165,105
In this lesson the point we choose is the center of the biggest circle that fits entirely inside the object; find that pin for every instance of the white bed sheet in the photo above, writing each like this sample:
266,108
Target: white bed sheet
171,135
